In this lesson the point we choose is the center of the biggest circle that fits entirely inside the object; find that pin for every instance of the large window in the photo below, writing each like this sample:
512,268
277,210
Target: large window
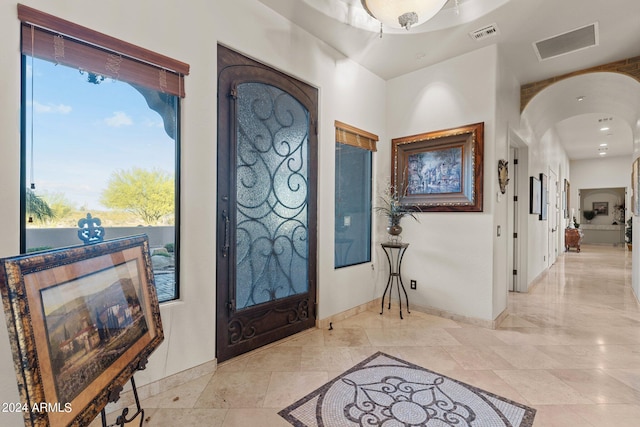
100,140
354,149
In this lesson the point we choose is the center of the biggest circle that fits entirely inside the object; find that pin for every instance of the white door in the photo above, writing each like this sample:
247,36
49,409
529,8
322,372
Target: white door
512,197
553,209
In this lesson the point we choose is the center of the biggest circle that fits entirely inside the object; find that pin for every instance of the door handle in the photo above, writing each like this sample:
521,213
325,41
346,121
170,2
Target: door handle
225,246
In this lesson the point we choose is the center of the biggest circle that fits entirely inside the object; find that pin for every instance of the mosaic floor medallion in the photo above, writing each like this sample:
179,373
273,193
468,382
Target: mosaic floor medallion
388,392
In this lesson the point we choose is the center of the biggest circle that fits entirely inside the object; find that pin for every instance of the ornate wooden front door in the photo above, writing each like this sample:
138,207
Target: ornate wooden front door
266,224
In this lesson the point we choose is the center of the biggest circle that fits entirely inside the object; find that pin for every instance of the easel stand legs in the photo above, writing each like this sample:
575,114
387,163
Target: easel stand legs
122,419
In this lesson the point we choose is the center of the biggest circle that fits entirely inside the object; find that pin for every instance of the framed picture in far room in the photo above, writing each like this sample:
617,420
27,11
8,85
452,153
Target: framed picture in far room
535,197
81,321
565,201
601,208
634,187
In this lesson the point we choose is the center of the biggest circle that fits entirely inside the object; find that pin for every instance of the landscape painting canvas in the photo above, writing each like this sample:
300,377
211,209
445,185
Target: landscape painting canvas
435,172
81,321
90,322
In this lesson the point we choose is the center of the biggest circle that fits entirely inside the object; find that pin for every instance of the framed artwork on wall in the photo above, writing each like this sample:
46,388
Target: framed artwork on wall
635,175
535,197
565,201
544,194
81,321
440,171
601,208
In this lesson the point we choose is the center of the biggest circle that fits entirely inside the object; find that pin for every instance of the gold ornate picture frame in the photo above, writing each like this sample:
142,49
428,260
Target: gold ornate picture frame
81,321
440,171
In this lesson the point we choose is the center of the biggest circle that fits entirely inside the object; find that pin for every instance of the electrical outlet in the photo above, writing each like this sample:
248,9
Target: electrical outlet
413,284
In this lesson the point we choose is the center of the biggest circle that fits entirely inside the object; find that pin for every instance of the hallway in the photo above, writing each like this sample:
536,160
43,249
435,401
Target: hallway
570,348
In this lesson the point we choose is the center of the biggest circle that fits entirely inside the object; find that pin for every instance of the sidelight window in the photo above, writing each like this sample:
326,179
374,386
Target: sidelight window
354,151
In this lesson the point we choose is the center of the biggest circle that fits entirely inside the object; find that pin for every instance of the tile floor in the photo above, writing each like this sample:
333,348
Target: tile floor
570,348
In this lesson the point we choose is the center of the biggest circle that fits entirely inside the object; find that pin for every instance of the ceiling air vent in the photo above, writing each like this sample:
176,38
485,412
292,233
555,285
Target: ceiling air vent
485,32
572,41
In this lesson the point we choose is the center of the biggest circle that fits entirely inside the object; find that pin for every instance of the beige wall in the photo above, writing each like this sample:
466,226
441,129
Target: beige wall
189,32
451,254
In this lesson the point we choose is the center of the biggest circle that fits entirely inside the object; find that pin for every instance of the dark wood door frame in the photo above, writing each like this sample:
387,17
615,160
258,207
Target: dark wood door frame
239,332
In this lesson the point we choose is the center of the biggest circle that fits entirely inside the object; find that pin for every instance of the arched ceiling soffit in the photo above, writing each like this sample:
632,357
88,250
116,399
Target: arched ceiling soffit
606,93
629,67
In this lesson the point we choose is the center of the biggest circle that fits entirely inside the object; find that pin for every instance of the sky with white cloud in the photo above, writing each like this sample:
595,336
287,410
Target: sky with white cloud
60,109
83,132
119,118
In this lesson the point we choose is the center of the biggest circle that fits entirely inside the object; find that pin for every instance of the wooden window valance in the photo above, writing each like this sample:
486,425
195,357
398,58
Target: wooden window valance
56,40
347,134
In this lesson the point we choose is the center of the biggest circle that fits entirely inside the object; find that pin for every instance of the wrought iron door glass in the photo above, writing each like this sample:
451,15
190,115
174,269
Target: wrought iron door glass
271,190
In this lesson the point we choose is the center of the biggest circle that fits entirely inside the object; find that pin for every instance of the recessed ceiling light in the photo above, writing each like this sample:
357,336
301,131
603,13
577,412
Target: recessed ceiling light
604,128
580,98
604,144
603,154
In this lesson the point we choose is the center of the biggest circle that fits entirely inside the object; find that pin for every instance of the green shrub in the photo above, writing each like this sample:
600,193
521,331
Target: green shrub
39,249
161,252
169,247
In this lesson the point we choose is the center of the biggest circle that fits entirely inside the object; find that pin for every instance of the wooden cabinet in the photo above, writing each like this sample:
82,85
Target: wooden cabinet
572,238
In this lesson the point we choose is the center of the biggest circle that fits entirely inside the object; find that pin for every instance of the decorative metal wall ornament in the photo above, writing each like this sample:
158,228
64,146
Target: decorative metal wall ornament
90,230
503,175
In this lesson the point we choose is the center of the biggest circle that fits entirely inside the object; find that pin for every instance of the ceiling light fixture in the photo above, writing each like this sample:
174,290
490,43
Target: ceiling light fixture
604,128
402,13
604,144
